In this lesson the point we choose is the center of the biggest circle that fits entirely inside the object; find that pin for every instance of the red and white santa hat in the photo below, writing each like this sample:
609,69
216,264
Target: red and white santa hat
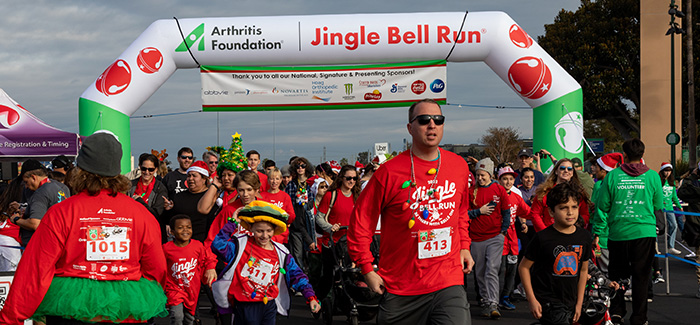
665,165
335,166
200,167
506,170
611,161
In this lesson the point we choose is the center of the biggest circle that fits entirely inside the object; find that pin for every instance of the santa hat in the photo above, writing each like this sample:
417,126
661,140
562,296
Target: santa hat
335,166
665,165
200,167
359,164
610,161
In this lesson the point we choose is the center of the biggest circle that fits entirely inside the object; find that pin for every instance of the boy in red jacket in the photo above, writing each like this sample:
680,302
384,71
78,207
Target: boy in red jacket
187,261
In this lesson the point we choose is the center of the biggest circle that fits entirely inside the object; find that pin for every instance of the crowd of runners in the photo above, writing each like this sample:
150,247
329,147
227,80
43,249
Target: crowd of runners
90,245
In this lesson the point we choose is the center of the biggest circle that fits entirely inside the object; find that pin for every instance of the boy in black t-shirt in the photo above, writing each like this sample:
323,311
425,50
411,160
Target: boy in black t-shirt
558,257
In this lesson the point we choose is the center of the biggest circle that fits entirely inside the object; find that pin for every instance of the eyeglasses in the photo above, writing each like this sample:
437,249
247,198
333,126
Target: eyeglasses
425,119
348,178
566,168
301,166
213,163
186,157
322,187
152,169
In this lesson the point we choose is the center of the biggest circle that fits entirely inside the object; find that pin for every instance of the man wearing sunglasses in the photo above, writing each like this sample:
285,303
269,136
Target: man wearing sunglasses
422,196
176,180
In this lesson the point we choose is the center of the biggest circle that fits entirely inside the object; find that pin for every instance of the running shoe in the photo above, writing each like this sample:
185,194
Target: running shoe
486,310
617,320
674,251
506,304
659,278
494,313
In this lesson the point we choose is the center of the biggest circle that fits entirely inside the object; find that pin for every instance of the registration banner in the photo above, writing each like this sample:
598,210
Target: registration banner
226,88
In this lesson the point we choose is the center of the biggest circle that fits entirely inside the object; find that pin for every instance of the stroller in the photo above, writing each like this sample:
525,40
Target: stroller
349,295
596,302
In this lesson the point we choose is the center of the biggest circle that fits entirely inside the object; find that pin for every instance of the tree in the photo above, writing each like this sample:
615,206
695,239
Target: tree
599,46
502,144
343,161
363,157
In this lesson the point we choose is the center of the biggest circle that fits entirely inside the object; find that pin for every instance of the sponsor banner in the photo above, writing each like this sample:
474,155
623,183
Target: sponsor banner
360,86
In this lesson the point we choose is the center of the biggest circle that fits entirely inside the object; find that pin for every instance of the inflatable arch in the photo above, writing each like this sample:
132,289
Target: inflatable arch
491,37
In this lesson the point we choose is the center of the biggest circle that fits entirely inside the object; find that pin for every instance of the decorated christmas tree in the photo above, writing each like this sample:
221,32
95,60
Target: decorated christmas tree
233,158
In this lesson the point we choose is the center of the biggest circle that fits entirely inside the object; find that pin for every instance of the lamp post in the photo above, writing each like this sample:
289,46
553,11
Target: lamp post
673,138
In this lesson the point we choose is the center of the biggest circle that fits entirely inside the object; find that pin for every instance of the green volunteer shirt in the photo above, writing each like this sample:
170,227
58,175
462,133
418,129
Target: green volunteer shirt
599,219
670,196
630,202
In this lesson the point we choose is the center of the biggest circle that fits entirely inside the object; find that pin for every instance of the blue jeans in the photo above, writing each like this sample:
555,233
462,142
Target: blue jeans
672,228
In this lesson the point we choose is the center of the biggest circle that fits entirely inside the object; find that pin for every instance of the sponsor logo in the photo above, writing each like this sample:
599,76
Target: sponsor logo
519,37
374,95
80,267
292,92
103,268
372,83
8,116
115,79
568,132
217,93
437,86
321,88
149,60
530,77
105,211
348,89
418,87
196,35
322,99
395,88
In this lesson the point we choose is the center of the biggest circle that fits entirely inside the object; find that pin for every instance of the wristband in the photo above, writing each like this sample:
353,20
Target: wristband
14,220
217,188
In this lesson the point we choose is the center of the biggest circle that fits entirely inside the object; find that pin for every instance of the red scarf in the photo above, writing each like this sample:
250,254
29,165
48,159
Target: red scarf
228,197
144,190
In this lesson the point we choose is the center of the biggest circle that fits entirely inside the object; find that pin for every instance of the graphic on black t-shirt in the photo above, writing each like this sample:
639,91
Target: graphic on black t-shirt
566,260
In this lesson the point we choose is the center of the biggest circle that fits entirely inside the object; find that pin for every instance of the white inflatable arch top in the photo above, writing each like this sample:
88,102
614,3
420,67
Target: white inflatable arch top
491,37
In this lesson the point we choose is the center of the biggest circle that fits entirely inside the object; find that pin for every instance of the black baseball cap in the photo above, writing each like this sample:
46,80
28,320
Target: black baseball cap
61,162
525,152
30,165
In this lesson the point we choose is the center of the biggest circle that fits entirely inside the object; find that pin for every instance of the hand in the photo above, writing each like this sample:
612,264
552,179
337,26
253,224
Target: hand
596,240
467,261
335,227
471,159
217,182
312,246
614,285
315,306
486,209
168,204
535,308
375,282
135,196
523,228
577,312
14,206
209,276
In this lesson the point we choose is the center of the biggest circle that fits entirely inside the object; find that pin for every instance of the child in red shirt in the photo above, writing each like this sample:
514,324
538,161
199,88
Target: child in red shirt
187,261
254,284
279,198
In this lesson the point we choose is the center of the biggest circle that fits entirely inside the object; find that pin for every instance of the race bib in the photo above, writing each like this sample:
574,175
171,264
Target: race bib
260,272
434,242
106,243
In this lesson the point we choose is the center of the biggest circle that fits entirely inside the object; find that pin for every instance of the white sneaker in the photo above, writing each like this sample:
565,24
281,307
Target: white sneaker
674,251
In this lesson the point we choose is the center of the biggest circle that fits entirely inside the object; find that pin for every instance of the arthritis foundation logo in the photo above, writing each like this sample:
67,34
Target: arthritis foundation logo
115,79
530,77
195,35
519,37
150,60
8,116
569,132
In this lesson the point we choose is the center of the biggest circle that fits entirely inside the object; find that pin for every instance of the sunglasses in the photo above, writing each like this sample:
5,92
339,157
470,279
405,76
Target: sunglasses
186,157
348,178
324,186
143,169
566,168
425,119
301,166
213,163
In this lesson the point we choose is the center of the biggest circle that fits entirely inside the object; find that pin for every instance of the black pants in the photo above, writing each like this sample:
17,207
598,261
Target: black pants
556,314
446,306
57,320
631,258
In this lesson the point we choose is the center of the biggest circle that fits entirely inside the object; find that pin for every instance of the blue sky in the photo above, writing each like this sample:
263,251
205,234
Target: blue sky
53,50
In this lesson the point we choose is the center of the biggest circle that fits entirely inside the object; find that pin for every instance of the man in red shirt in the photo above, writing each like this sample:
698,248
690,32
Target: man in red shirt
253,163
422,195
